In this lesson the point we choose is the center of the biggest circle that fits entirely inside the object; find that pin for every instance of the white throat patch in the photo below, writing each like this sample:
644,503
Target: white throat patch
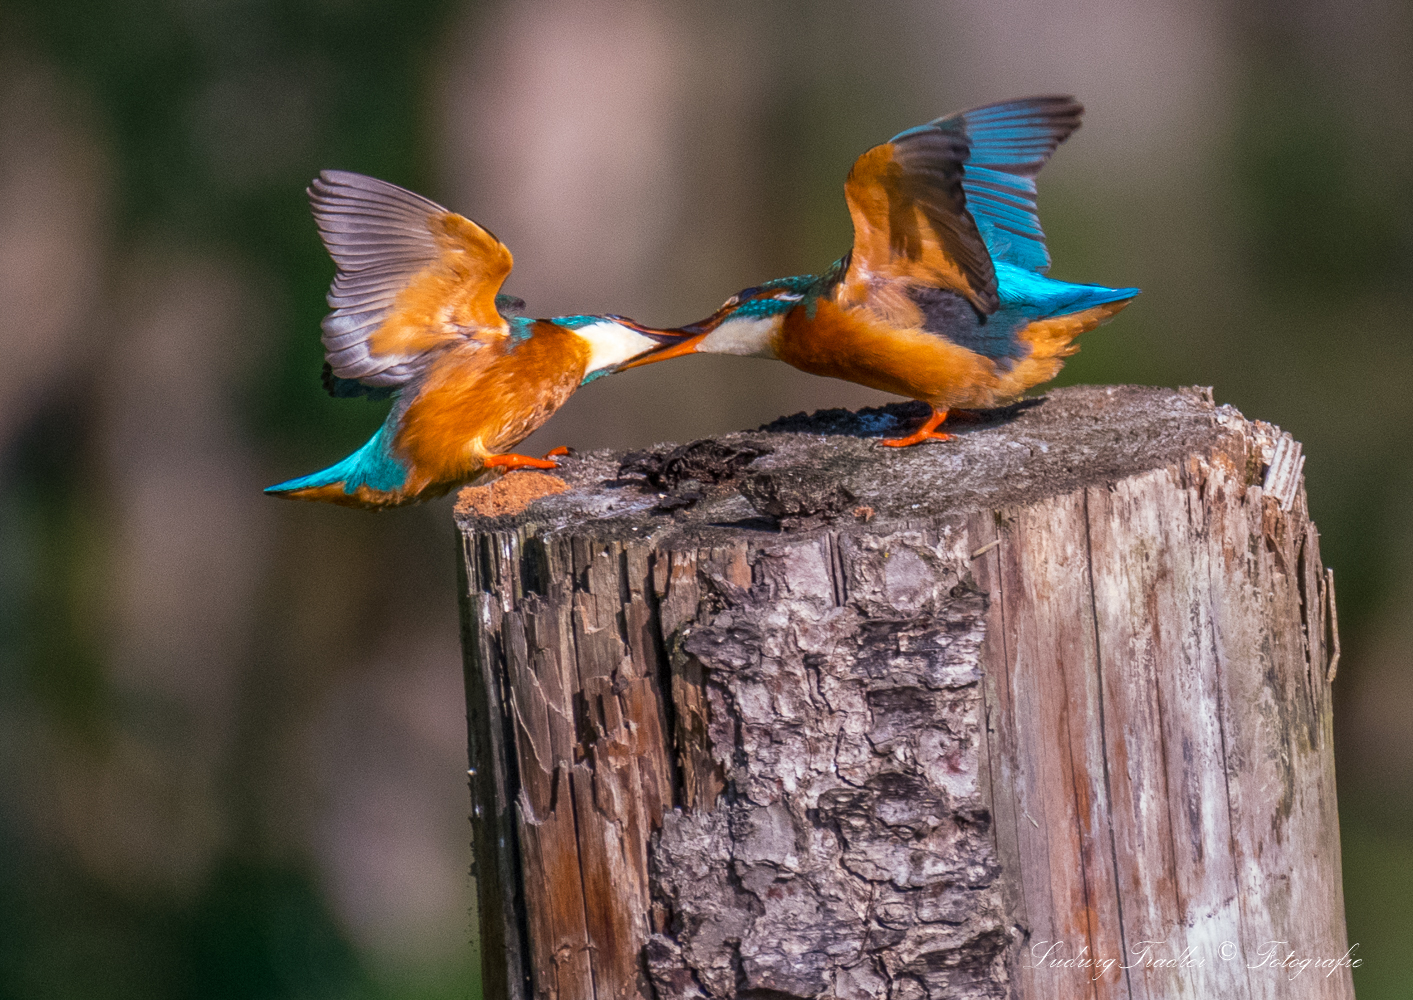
747,337
612,344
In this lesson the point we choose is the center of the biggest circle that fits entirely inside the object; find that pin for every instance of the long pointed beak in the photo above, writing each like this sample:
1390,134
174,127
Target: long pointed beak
678,346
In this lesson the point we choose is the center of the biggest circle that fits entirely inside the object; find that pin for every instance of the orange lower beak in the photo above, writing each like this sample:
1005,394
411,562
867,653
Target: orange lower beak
686,345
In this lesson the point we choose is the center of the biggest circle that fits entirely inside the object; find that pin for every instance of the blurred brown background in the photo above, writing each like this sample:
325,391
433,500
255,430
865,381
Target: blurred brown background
232,744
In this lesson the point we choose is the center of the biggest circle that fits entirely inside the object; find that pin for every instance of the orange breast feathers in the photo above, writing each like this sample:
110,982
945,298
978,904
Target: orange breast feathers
478,401
895,355
855,345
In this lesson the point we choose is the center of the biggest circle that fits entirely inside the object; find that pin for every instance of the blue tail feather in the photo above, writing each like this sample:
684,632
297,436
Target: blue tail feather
372,465
1037,296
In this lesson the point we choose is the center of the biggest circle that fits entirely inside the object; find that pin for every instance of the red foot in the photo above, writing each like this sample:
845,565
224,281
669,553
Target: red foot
927,432
561,450
511,462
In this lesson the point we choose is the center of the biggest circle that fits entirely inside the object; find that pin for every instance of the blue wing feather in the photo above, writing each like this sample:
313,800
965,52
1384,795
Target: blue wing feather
1009,143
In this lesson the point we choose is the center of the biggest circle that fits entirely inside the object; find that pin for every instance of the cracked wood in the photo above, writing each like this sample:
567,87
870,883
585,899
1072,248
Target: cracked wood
1051,720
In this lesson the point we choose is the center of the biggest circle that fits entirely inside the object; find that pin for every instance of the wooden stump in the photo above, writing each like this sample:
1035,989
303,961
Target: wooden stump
1040,712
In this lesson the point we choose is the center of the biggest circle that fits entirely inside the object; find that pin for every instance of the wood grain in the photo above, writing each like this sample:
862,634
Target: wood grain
1051,721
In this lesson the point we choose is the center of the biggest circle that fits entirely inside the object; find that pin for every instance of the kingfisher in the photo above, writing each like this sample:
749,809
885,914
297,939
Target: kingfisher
943,296
418,317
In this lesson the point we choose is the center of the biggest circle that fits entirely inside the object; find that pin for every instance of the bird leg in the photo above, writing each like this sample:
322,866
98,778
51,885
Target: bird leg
927,432
511,462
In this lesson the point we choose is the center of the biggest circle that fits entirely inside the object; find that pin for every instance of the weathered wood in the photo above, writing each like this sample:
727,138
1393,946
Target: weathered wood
1040,712
501,913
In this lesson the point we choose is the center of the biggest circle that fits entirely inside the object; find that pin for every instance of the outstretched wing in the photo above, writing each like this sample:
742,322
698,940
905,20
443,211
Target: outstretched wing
412,277
1010,142
909,209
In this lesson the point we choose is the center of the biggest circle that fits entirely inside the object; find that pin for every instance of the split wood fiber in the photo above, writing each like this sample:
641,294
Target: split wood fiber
1039,712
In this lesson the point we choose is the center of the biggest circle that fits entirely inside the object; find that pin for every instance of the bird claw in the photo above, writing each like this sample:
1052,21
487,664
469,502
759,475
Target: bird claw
512,462
917,438
927,432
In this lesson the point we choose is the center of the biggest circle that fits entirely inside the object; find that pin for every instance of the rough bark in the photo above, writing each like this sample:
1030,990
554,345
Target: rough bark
790,715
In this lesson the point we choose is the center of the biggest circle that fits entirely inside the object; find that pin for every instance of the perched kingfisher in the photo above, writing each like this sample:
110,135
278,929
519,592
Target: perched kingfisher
416,316
943,296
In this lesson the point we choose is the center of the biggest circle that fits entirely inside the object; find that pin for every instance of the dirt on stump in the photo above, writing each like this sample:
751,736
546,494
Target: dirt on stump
510,494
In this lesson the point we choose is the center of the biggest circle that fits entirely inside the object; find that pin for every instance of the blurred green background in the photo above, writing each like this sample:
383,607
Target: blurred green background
232,745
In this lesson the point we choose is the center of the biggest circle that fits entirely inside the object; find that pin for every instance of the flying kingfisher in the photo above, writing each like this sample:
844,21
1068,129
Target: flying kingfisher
416,316
943,296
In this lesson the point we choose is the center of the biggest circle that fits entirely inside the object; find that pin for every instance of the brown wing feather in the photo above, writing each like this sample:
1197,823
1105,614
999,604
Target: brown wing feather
911,223
412,278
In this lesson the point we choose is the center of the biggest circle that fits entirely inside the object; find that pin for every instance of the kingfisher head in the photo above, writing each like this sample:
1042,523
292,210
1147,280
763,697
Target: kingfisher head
746,324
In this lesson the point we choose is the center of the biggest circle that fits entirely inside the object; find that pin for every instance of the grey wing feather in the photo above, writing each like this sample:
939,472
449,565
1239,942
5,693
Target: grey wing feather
379,238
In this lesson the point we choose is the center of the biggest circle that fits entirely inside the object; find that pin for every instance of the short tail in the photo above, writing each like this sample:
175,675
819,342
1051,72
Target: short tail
1071,298
372,477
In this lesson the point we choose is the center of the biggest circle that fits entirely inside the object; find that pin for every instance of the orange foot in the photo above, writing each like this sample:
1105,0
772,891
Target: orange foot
927,432
511,462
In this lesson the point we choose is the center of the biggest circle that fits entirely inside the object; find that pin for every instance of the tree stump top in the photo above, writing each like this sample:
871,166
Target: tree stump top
1043,711
775,478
